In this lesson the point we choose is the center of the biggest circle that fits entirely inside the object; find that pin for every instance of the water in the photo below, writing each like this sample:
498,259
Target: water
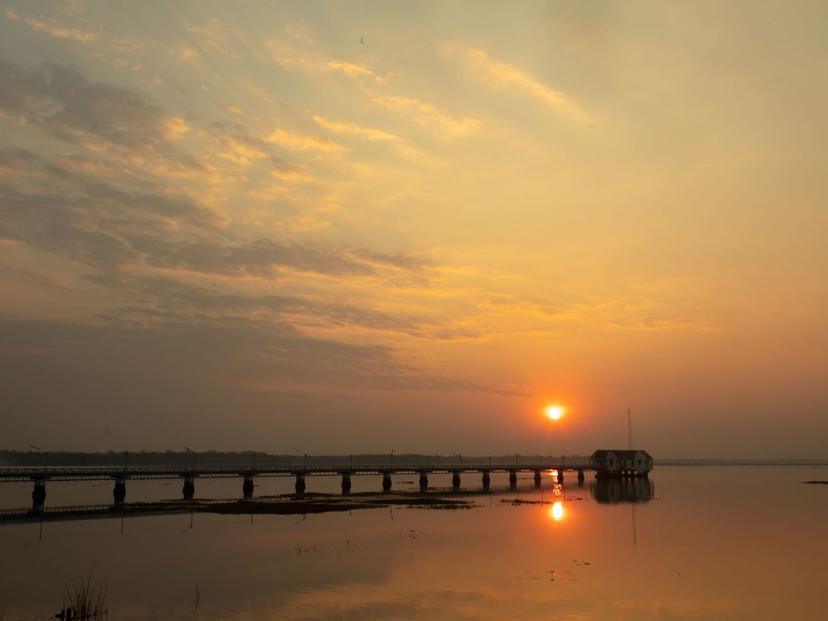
713,543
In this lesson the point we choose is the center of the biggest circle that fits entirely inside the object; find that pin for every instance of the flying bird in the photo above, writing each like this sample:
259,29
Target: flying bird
362,40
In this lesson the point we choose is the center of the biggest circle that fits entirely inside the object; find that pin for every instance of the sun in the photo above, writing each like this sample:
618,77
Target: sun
555,412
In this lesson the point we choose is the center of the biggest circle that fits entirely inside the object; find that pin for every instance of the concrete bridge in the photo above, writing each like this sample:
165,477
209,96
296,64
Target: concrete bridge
188,476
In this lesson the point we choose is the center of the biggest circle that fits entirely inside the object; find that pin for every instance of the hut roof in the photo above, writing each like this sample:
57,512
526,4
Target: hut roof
623,453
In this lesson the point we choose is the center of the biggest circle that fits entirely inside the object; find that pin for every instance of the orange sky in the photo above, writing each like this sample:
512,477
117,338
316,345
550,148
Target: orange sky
363,226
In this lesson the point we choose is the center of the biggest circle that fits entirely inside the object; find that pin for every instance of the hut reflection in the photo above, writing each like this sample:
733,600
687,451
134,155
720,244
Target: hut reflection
613,490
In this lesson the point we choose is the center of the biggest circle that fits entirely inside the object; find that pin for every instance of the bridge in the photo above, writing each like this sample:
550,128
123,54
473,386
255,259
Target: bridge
188,475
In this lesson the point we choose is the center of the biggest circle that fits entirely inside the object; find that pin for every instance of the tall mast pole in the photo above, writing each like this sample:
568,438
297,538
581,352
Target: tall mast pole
629,428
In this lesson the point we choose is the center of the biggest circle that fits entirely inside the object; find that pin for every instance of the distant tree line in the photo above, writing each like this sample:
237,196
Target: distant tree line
251,459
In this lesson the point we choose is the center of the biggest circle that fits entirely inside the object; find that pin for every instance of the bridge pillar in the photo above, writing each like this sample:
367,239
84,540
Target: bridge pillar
560,475
537,479
386,482
38,495
119,491
513,479
423,481
455,480
580,477
300,483
346,483
248,486
188,489
487,481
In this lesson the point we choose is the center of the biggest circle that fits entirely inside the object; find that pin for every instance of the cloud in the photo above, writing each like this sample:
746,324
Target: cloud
25,175
212,37
88,37
300,33
185,53
42,279
112,211
429,116
85,219
62,102
637,312
121,123
266,258
175,128
372,134
352,129
70,208
503,76
152,297
236,145
309,62
302,142
54,29
100,225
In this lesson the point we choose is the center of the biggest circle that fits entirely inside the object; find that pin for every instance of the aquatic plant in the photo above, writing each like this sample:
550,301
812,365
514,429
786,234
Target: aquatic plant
196,602
84,600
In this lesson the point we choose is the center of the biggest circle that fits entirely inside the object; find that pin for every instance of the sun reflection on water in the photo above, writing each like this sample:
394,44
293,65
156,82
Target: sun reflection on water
556,511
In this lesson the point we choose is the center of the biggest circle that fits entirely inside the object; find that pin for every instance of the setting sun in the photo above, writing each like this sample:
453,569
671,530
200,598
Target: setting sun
555,412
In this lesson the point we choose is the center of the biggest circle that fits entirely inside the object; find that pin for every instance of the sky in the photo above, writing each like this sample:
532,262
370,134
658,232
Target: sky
342,227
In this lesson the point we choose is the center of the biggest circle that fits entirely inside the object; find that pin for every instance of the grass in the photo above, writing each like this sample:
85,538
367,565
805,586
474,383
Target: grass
85,599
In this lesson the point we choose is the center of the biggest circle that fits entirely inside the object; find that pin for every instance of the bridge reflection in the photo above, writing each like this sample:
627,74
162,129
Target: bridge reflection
604,490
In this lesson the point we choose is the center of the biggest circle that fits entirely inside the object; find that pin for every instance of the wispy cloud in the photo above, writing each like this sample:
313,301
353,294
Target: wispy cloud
645,314
352,129
429,116
88,36
235,145
300,33
312,62
98,225
296,141
372,134
62,102
502,76
211,37
184,53
53,28
152,296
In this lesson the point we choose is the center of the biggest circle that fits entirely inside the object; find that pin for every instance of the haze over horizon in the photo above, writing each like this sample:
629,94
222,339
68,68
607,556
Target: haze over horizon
347,228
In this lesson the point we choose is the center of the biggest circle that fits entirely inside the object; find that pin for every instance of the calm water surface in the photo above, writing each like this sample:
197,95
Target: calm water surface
713,543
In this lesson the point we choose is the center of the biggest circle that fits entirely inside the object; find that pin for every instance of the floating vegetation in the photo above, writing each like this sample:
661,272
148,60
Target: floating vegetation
519,501
320,503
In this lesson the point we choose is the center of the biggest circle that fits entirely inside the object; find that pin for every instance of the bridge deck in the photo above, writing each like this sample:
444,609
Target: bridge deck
80,473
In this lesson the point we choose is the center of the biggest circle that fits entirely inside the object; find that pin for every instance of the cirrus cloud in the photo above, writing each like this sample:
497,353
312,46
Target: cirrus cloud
502,76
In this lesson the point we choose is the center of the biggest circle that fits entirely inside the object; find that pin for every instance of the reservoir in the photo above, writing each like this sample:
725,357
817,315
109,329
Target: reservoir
729,542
